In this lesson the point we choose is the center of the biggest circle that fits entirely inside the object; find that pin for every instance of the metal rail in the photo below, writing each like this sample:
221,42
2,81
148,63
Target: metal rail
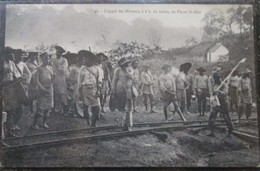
185,123
246,136
115,126
106,136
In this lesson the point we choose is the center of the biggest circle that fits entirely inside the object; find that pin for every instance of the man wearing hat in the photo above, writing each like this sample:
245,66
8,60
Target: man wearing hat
167,84
201,88
90,80
122,92
10,103
72,82
190,84
26,74
233,91
245,94
106,82
184,85
220,96
32,65
147,87
45,102
136,81
60,66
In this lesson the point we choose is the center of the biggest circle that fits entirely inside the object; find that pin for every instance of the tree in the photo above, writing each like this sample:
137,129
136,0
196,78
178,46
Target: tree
247,17
190,42
242,18
214,24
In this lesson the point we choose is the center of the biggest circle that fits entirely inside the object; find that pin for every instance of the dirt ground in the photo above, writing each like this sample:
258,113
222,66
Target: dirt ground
190,148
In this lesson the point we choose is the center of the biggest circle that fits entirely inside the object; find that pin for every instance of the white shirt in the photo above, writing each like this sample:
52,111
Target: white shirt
26,73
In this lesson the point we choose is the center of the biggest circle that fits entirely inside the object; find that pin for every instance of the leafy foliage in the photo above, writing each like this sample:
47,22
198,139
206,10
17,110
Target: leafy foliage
133,50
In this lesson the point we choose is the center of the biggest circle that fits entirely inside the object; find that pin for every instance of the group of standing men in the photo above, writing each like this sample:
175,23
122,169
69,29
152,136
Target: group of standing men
56,84
52,84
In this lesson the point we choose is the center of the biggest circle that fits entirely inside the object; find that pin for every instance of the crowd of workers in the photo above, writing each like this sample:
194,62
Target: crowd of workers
57,83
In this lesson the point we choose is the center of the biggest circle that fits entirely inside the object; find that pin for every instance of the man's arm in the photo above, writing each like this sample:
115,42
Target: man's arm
38,81
161,84
27,74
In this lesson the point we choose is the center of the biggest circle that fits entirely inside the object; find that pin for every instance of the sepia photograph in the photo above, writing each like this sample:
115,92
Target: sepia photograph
129,85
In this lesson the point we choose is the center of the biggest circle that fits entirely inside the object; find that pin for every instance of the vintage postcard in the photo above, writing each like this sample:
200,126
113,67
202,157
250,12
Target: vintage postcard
129,85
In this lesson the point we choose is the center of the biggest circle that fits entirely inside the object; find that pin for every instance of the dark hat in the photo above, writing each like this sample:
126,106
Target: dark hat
18,52
135,60
86,54
33,54
102,55
8,50
247,71
123,61
165,66
185,67
72,58
215,70
44,54
59,49
200,69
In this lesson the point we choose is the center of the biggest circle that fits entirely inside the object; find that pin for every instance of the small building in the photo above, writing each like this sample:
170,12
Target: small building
217,53
199,52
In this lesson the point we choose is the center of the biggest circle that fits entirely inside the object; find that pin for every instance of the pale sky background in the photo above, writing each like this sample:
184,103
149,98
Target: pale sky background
174,27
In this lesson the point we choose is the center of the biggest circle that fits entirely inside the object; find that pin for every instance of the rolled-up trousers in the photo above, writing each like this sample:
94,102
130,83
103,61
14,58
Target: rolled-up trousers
213,115
128,115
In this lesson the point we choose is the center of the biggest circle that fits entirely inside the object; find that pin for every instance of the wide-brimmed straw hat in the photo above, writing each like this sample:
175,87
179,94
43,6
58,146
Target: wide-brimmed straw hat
135,60
32,54
44,55
200,69
59,49
123,61
86,54
102,55
165,66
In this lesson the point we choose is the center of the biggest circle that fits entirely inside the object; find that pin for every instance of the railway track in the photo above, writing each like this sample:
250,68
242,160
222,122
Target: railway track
104,132
115,127
246,136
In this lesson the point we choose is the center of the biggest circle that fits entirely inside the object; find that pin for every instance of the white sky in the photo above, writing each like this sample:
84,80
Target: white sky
177,19
173,16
